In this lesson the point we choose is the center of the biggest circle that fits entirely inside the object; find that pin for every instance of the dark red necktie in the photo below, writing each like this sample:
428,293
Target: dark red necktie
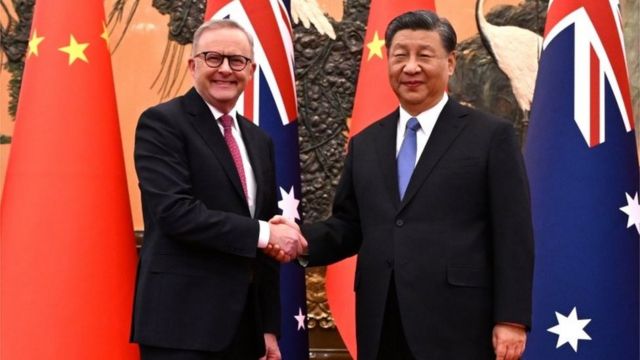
227,122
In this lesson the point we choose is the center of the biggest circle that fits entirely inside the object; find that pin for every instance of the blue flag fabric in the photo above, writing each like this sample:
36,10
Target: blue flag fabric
294,341
270,101
582,160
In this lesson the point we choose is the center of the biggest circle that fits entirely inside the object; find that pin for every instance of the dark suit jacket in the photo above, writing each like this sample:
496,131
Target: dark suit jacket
459,244
199,254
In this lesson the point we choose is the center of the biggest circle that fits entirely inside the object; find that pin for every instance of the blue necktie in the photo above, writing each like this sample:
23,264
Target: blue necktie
407,155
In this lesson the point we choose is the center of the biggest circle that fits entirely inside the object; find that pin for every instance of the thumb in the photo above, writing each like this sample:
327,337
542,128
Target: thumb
278,219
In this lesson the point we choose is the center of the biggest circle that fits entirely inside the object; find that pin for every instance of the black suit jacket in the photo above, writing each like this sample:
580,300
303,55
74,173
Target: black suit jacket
459,244
199,254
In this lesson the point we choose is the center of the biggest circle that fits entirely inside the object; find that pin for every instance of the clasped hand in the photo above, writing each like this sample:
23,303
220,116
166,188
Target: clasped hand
285,241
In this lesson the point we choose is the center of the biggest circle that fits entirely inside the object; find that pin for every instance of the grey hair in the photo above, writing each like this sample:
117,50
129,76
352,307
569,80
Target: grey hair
214,24
422,20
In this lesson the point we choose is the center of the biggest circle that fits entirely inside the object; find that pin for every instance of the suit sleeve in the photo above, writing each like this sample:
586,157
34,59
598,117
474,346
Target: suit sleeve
339,236
512,229
162,165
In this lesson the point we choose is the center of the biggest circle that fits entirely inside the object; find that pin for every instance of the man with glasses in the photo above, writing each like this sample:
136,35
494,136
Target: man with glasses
205,289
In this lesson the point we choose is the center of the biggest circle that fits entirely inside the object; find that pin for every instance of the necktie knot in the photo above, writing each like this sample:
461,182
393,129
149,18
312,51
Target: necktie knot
226,120
413,124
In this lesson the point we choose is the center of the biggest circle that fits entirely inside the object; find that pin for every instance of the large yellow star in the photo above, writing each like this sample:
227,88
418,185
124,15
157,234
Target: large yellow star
105,33
375,46
33,43
75,50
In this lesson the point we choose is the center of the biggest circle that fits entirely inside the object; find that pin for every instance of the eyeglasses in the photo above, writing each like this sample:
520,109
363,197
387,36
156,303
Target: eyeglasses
215,59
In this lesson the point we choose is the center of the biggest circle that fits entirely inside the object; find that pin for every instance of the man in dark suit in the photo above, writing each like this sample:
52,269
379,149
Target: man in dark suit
205,290
434,200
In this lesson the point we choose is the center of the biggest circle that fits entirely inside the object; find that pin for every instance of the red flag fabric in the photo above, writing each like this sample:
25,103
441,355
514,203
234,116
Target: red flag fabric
67,251
374,99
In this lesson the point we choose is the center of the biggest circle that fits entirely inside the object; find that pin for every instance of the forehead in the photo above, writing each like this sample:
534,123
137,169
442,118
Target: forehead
419,39
224,40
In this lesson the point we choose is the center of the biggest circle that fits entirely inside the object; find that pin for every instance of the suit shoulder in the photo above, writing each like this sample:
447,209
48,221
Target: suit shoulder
378,125
483,118
168,107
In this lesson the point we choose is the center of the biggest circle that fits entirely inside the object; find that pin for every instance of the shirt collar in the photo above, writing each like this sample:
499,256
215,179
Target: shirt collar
426,117
217,113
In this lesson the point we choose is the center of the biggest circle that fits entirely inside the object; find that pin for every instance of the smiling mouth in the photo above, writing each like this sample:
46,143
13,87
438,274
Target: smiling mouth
411,83
224,82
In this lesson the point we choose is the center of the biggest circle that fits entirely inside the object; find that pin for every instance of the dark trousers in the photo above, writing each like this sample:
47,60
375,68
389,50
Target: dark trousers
247,344
393,342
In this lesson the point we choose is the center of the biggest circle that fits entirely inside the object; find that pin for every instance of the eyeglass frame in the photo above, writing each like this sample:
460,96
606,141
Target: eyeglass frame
227,57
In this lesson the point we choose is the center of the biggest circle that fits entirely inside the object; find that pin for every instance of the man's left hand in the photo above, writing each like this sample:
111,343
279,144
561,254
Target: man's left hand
509,341
273,351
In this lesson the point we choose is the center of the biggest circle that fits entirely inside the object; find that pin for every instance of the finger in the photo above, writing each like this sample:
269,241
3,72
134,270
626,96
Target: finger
510,354
501,351
517,351
290,222
268,251
299,246
282,257
277,219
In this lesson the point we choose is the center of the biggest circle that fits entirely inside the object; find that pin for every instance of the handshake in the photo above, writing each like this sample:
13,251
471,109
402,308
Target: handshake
285,241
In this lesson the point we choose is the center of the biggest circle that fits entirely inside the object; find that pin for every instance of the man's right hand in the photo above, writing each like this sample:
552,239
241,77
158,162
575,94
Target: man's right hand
285,242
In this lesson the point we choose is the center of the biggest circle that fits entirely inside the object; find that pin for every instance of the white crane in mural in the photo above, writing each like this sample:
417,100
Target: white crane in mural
516,51
309,12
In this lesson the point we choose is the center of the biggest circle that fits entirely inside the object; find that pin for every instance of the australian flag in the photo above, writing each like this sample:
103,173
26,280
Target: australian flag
582,161
270,101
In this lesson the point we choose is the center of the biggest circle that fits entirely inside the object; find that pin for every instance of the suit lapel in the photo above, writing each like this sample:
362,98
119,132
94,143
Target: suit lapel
207,128
450,122
386,149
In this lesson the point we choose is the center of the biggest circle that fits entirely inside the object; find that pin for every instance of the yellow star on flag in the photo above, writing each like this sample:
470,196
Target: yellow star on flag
34,42
75,50
375,46
105,33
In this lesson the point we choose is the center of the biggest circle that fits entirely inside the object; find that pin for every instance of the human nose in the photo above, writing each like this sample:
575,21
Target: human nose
224,66
411,66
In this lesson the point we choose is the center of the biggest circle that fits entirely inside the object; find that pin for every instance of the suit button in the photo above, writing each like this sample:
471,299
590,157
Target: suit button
399,222
390,263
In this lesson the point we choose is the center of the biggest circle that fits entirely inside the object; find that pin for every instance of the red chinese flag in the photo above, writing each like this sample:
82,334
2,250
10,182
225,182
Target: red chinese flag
374,99
67,251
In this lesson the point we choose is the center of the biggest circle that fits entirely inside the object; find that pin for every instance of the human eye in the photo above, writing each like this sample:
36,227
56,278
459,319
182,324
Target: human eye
399,56
237,60
214,58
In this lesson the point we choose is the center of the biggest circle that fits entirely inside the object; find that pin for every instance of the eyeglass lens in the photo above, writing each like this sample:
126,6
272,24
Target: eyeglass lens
236,62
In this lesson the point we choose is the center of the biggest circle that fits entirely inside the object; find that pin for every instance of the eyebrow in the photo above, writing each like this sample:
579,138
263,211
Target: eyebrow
420,47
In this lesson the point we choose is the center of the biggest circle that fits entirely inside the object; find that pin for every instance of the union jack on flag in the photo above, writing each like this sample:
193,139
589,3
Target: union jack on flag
270,101
582,160
599,47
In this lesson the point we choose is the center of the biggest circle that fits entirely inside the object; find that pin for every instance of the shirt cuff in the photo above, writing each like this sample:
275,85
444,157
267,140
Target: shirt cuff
265,233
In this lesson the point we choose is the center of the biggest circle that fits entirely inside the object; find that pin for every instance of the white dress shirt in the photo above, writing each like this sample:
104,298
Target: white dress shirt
252,186
427,120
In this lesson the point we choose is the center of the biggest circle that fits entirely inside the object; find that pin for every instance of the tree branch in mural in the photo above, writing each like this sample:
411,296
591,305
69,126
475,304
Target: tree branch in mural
115,17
